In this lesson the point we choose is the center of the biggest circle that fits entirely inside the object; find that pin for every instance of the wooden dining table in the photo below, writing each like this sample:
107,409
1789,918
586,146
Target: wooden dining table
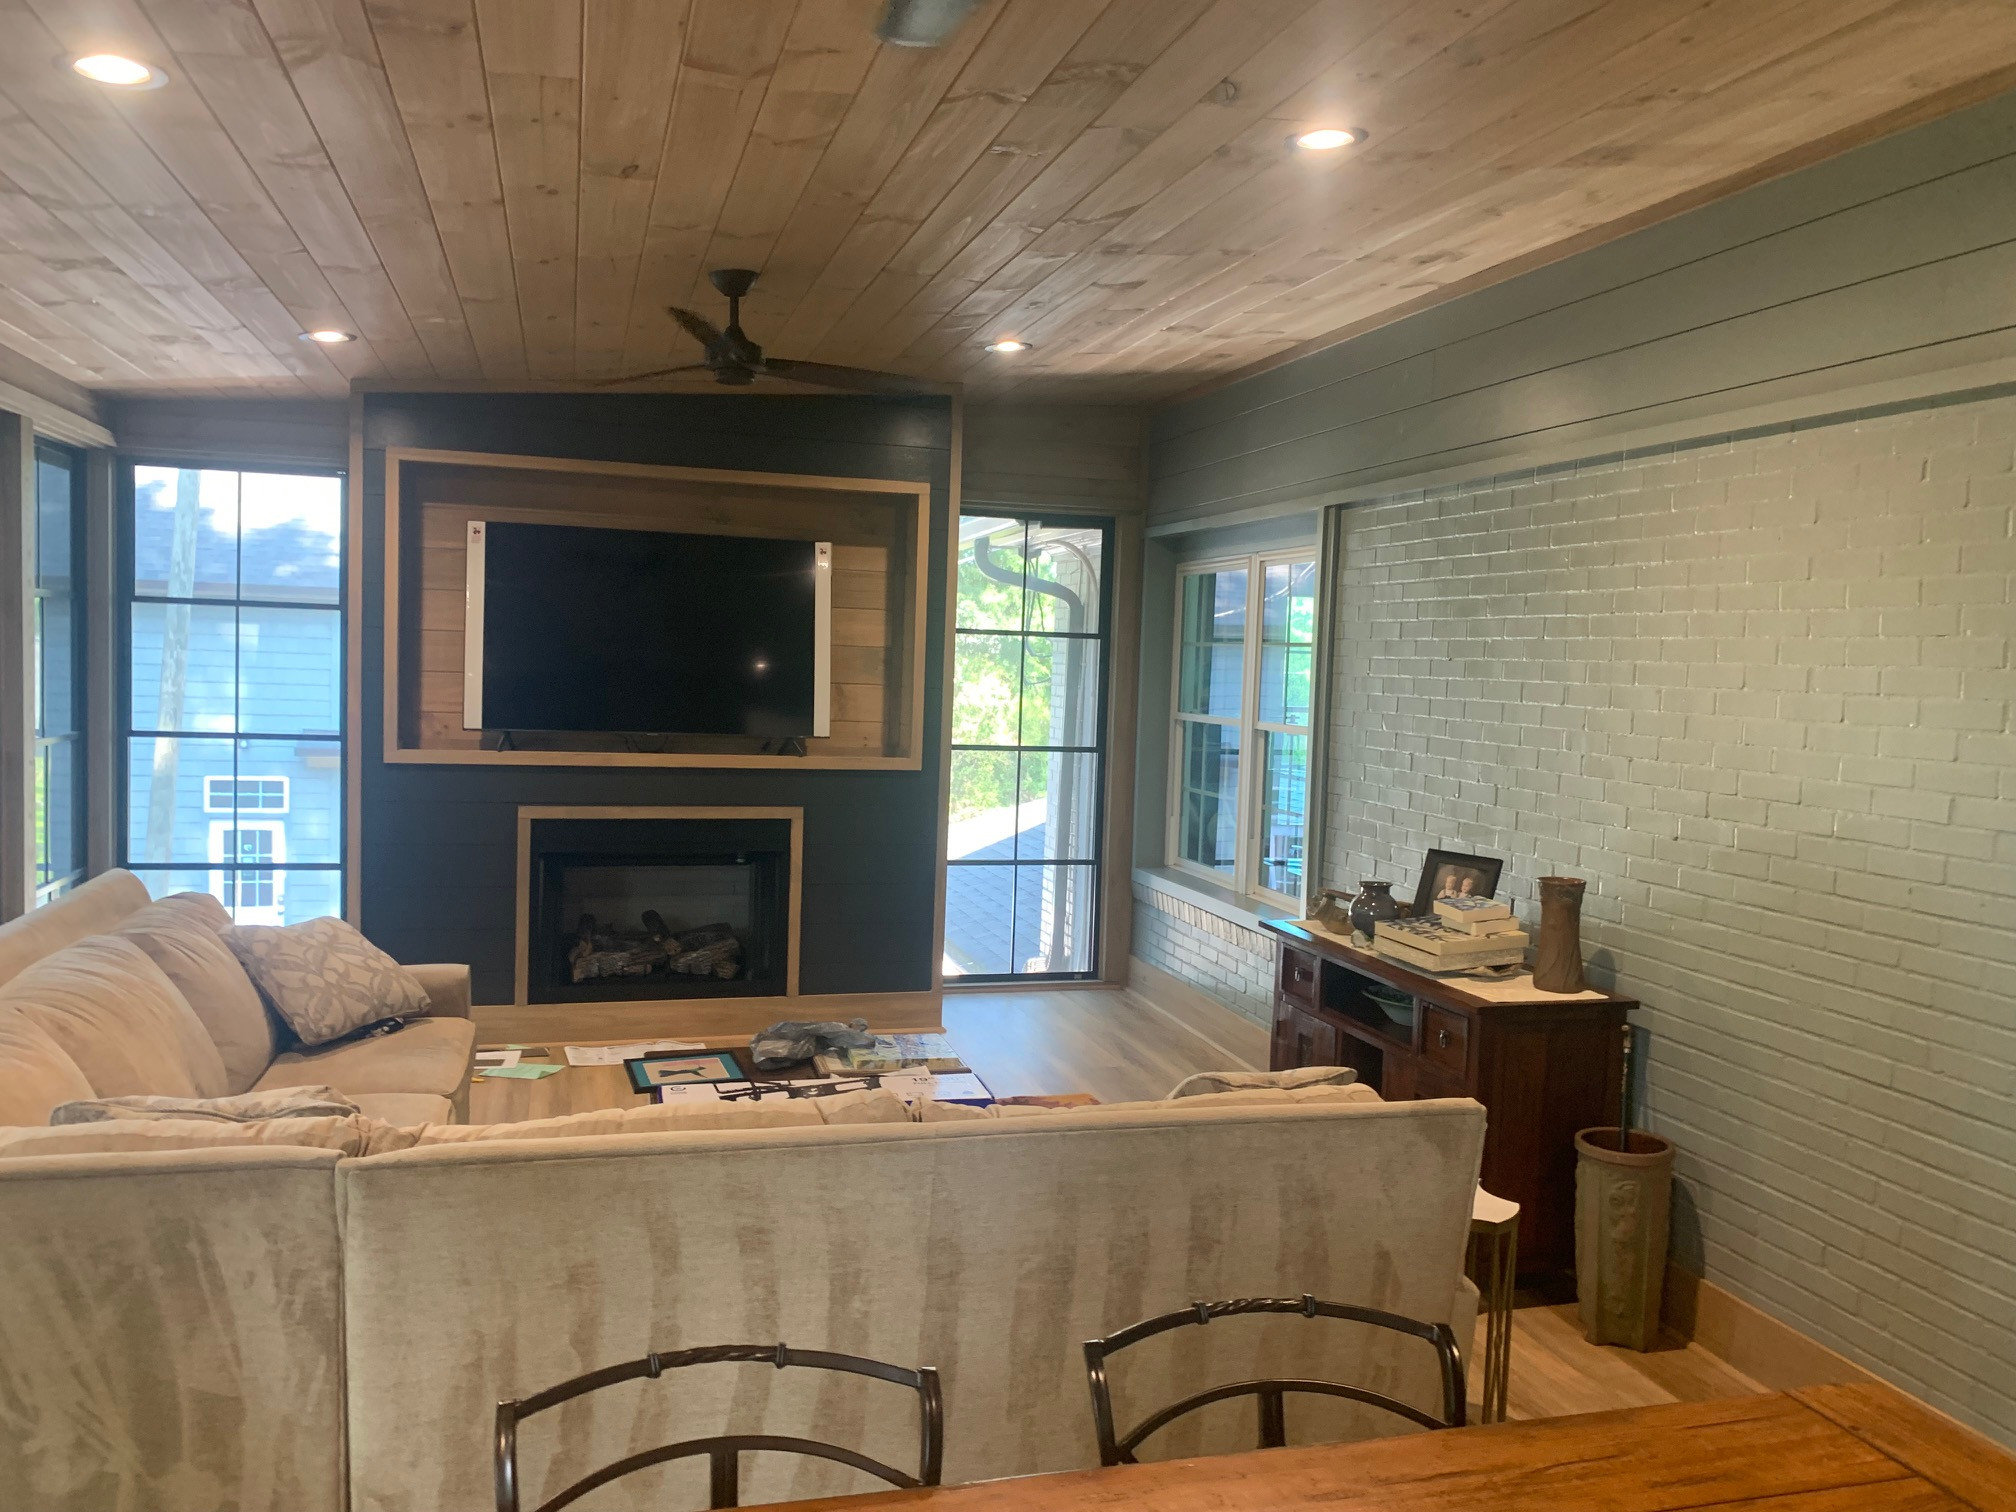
1860,1448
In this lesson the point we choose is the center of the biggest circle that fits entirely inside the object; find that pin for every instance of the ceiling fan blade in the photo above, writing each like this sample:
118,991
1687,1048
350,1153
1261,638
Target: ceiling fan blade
691,367
858,380
922,23
694,326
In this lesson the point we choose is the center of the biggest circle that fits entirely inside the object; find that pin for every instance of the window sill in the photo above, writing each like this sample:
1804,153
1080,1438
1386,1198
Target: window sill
1238,908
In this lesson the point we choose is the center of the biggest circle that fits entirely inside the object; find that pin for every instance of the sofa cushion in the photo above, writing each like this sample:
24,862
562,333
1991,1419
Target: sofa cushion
325,979
116,1014
350,1134
35,1074
245,1107
428,1055
405,1110
651,1118
91,909
1207,1082
184,908
205,971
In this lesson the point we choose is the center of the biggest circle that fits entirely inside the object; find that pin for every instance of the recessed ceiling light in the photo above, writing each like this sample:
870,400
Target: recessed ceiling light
1326,138
120,73
1007,344
328,337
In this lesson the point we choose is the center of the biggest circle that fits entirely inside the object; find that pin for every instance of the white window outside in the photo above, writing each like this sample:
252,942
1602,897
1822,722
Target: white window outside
245,795
255,892
1239,749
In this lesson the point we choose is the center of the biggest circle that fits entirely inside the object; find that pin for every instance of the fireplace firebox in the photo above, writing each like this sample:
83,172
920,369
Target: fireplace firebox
639,908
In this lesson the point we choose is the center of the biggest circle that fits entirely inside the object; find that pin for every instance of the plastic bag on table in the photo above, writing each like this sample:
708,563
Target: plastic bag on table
789,1044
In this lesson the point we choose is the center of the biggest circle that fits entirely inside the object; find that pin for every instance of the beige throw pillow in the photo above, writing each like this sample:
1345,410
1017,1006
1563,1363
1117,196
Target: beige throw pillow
1206,1082
325,979
120,1019
204,970
246,1107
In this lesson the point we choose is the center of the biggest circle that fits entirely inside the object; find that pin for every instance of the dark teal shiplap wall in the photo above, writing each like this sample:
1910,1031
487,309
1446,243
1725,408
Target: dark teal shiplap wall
1883,275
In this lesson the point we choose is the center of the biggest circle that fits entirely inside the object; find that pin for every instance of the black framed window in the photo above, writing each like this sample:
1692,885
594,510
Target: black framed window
234,687
1028,748
57,660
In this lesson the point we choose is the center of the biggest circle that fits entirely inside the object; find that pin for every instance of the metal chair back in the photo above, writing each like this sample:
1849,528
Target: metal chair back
1116,1448
724,1451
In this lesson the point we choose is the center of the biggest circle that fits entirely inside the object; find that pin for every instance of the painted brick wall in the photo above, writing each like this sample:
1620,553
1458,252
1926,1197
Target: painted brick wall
1758,692
1233,964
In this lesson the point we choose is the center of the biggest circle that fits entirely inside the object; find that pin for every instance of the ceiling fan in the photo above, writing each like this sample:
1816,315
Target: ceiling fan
737,361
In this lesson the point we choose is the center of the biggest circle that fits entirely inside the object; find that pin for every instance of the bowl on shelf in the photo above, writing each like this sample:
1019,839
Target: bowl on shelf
1397,1006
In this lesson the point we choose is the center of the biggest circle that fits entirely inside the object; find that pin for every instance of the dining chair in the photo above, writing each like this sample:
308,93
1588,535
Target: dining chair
724,1450
1118,1449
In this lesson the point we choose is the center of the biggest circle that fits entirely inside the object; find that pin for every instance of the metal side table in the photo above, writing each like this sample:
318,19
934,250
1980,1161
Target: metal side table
1493,1263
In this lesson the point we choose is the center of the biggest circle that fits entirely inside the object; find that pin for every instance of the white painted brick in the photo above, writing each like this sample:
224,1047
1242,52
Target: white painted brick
1759,693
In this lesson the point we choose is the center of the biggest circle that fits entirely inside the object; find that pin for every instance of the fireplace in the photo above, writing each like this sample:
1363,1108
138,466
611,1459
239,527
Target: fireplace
641,904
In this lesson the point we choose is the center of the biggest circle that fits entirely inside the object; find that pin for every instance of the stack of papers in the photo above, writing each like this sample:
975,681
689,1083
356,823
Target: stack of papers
615,1055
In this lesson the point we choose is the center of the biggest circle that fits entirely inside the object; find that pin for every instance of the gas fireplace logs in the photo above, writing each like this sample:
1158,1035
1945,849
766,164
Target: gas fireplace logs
596,950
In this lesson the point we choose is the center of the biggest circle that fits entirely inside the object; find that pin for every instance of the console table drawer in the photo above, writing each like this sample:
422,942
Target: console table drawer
1445,1039
1298,977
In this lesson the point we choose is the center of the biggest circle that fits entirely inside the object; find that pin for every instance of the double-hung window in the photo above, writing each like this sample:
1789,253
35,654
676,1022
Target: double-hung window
1245,653
234,688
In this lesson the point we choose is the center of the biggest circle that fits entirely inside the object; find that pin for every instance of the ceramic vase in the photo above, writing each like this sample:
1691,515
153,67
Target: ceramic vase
1557,959
1623,1204
1373,903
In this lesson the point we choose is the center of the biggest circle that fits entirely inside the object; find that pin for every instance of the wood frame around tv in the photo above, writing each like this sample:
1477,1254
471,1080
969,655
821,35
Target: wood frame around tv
902,618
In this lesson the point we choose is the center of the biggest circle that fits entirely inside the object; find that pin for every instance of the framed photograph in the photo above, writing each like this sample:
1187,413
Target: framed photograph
649,1072
1446,874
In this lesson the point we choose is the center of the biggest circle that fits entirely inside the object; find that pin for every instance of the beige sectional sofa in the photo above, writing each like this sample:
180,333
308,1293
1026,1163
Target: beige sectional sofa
141,997
274,1327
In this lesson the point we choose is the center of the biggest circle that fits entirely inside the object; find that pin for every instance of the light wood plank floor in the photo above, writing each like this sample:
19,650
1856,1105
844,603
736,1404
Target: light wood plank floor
1121,1047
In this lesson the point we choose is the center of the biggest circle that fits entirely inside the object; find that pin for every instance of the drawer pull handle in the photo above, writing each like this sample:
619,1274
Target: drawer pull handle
1442,1039
1300,973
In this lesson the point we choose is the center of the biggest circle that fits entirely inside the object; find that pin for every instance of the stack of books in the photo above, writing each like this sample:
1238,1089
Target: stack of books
1477,916
1442,944
893,1052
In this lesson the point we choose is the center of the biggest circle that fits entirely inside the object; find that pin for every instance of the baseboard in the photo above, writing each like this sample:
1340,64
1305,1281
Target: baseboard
1199,1013
1768,1350
716,1018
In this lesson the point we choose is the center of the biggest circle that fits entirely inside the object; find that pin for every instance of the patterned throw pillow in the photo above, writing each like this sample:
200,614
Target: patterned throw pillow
246,1107
325,979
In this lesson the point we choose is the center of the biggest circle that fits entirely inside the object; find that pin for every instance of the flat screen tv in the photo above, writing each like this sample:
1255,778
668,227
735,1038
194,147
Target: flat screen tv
574,628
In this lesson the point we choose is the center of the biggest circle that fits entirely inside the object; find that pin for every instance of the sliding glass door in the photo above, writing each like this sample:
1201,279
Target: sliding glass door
1028,748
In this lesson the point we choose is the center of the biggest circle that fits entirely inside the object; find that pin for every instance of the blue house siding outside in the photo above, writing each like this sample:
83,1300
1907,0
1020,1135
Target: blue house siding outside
234,781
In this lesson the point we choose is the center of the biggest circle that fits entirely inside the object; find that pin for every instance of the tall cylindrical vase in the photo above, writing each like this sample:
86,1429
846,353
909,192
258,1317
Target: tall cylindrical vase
1623,1205
1557,959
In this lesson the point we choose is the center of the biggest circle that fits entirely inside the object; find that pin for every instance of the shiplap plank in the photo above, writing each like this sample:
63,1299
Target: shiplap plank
435,67
1915,258
826,56
629,48
228,59
732,47
332,60
532,62
1006,70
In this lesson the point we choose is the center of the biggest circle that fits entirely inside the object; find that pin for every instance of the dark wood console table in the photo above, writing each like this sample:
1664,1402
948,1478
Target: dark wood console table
1542,1069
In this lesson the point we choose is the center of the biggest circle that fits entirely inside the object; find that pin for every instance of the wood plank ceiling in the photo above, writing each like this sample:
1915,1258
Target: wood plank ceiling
514,190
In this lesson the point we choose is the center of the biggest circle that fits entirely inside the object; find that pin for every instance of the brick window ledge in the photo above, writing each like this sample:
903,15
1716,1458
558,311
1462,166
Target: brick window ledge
1234,908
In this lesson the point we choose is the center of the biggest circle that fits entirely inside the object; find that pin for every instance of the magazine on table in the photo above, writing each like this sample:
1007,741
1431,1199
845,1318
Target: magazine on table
913,1085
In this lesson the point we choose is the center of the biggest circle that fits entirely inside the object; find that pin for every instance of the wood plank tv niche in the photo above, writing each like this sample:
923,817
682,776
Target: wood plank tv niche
879,528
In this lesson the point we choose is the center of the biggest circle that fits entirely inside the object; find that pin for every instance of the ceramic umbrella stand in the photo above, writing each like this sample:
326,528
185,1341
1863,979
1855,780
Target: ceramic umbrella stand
1623,1200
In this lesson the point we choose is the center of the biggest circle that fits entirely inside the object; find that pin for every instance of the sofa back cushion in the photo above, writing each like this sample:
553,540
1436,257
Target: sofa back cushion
193,955
116,1014
36,1076
989,1249
91,909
